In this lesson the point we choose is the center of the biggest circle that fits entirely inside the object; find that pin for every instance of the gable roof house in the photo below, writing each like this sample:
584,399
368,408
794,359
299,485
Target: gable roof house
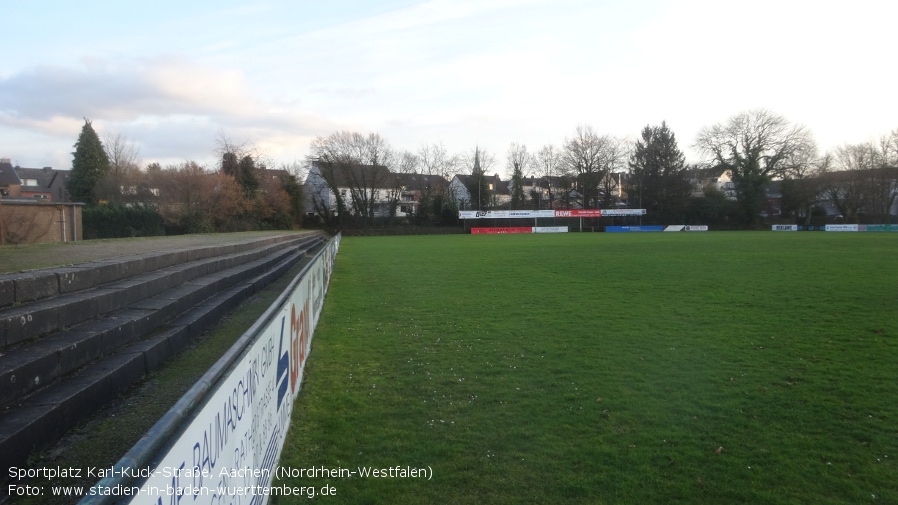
414,188
366,190
29,213
10,184
361,190
461,186
712,178
44,183
38,183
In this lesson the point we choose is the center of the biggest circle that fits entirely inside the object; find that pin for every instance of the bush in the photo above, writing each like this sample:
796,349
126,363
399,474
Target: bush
119,221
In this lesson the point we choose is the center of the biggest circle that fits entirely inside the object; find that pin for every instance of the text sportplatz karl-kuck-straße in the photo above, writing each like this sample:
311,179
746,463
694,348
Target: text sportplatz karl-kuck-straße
192,481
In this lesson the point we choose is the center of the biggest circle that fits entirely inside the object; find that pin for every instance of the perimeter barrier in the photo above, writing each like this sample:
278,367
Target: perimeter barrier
838,227
222,440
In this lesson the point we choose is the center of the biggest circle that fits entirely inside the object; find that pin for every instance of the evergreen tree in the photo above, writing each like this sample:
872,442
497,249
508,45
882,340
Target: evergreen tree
479,187
297,200
658,175
89,165
246,176
243,170
517,188
229,164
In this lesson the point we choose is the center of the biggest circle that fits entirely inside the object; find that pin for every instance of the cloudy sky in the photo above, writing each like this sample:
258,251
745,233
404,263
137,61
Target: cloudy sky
171,75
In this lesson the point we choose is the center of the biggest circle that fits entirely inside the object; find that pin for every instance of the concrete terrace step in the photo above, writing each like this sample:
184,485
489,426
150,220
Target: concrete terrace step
28,367
49,384
29,286
23,322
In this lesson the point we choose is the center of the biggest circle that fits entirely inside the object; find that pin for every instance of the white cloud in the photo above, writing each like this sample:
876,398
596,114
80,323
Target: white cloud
167,104
462,72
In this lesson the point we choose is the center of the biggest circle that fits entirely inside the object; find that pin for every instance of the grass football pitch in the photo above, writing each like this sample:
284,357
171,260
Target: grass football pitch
722,367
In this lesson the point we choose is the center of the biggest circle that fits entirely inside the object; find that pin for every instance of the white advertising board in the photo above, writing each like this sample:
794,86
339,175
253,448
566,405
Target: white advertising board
784,227
622,212
515,214
841,227
229,451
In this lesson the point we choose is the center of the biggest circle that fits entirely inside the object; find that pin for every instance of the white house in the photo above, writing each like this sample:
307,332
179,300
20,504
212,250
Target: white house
366,190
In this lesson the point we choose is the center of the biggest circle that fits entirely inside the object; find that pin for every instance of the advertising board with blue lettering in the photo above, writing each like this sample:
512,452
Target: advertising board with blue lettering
625,229
230,449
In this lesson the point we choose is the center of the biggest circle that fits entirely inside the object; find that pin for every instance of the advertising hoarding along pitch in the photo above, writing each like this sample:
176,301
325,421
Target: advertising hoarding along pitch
579,213
623,212
624,229
502,230
841,227
532,214
228,451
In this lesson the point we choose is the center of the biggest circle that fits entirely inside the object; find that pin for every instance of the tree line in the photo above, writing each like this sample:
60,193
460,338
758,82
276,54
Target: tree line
370,180
124,199
752,149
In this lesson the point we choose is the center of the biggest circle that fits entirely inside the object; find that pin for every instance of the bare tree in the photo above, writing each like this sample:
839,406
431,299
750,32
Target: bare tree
357,164
404,174
803,186
755,146
121,182
591,157
122,153
196,200
867,182
437,167
548,166
849,188
240,148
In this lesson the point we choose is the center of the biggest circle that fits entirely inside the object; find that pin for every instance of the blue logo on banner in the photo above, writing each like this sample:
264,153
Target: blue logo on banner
283,373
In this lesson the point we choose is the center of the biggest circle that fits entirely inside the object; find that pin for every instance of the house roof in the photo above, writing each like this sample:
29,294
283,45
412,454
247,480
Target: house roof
274,173
415,181
499,186
43,176
848,175
8,176
345,175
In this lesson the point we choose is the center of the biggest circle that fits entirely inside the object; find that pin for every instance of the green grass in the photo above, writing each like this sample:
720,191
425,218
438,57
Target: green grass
597,368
